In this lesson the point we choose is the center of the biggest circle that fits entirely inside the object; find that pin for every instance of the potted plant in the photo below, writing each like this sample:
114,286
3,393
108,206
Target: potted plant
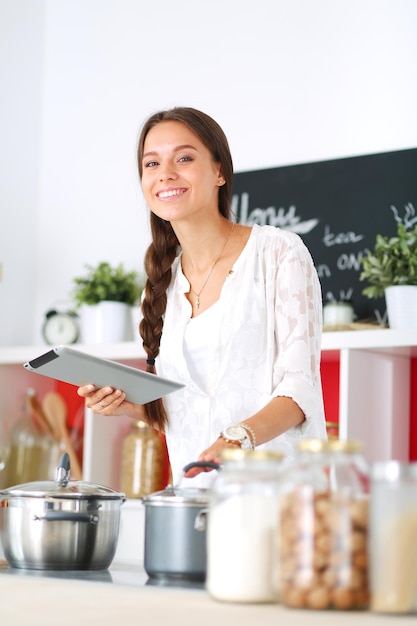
105,296
391,271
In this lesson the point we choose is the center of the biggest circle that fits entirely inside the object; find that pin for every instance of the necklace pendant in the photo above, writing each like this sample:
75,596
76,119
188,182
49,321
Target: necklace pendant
197,303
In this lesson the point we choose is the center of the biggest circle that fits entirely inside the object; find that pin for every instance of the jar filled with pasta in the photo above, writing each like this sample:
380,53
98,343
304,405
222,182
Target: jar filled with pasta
323,528
145,467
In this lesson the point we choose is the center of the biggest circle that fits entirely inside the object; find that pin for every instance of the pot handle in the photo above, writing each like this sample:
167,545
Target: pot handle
210,464
200,522
67,516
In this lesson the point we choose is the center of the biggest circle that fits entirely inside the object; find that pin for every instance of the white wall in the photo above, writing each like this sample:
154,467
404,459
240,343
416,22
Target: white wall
290,81
21,24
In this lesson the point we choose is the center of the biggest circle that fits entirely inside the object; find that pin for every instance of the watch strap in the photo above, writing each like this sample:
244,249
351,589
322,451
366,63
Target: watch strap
251,434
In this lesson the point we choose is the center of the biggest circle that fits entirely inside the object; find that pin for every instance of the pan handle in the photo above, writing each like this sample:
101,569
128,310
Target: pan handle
200,522
203,464
68,516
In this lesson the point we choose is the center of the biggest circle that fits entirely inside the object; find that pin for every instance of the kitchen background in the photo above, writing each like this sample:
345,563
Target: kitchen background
290,81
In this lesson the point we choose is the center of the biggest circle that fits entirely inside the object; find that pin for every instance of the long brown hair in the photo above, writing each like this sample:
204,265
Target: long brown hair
165,245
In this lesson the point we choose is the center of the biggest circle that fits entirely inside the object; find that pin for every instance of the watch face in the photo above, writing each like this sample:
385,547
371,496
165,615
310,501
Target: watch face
235,433
60,328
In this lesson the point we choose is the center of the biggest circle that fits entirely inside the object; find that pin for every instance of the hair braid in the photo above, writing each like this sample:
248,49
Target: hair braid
158,261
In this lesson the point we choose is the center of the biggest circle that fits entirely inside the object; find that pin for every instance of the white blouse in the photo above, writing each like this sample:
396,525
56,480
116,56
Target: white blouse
264,341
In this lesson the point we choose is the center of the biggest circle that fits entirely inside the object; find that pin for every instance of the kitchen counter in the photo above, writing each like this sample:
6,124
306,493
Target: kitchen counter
41,599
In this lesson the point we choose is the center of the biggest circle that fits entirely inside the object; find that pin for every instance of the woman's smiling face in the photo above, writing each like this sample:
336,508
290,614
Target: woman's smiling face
180,177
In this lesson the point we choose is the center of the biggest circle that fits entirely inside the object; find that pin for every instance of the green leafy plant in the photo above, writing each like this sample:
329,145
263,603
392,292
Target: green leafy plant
104,282
393,261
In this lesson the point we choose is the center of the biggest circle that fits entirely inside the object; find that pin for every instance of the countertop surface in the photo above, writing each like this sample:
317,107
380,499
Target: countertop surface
45,599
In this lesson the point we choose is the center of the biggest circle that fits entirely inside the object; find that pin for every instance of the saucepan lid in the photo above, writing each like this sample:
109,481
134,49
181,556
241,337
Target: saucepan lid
177,495
62,487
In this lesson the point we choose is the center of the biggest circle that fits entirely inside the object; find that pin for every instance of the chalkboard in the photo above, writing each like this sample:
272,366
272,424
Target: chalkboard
337,207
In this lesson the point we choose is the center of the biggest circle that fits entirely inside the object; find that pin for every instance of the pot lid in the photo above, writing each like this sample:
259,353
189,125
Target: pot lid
62,487
75,489
172,495
175,494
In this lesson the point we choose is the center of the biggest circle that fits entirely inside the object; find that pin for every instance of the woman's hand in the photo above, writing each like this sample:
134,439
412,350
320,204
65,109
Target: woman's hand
109,401
211,454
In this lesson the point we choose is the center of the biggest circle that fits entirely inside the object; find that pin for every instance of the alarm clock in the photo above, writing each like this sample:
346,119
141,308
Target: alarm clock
60,327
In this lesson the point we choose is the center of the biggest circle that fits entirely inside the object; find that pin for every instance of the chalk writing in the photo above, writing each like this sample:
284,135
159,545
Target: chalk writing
349,261
410,217
344,295
323,271
286,219
332,239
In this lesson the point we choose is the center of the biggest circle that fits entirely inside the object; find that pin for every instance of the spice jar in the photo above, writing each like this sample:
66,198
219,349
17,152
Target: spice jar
31,449
324,527
393,537
144,461
242,527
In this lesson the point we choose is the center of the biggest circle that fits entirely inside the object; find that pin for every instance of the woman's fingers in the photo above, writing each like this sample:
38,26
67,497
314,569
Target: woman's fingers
105,400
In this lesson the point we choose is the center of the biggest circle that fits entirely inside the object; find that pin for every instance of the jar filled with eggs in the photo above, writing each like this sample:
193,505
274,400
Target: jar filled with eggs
323,527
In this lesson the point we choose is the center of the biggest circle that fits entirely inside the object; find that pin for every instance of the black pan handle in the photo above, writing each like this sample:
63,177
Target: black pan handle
68,516
202,464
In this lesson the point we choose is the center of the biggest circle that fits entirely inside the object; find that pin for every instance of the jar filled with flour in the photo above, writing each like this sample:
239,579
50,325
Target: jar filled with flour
242,527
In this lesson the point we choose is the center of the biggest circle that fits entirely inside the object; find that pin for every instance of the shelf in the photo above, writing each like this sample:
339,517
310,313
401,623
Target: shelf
384,339
17,355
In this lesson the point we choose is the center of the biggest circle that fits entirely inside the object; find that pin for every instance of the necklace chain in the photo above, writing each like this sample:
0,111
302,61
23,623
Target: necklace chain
197,300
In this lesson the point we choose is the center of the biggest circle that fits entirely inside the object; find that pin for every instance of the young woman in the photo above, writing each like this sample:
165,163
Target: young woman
233,312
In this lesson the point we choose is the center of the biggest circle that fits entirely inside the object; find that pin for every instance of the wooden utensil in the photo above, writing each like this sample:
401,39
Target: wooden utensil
55,410
38,412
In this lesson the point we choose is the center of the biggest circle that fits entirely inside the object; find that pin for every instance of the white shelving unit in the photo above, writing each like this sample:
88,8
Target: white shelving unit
374,407
374,402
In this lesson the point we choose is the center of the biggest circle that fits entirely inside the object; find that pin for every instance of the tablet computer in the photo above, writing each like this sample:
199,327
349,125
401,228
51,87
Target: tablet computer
79,368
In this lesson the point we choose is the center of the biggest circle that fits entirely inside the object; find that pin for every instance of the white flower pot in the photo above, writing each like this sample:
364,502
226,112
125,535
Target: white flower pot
401,304
106,322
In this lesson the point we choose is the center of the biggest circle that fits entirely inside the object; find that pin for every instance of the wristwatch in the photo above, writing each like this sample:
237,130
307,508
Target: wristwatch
238,435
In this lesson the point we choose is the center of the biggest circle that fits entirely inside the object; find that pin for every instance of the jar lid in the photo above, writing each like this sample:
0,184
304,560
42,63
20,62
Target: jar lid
237,454
139,424
393,471
331,445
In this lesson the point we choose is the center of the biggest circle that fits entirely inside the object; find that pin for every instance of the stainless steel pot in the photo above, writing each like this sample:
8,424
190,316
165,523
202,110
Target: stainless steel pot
175,532
61,525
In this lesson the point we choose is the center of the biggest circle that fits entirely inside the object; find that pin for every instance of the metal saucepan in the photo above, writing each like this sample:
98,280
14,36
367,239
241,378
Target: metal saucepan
61,525
175,532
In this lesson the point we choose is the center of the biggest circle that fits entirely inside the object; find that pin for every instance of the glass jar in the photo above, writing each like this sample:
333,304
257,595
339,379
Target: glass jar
144,461
31,449
332,429
393,537
242,527
323,542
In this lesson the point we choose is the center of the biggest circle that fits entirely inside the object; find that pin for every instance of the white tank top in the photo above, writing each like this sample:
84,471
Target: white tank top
197,339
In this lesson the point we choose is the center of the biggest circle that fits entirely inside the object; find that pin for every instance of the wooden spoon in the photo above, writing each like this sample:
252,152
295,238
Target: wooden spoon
39,413
55,411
